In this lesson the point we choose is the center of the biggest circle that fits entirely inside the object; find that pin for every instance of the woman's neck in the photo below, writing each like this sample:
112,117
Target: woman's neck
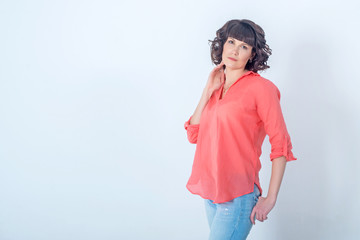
233,75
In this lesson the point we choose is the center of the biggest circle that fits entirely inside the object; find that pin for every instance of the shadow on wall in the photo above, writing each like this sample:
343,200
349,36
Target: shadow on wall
317,201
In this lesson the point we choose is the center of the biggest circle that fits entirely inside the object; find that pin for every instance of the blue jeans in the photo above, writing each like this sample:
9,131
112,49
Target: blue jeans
231,220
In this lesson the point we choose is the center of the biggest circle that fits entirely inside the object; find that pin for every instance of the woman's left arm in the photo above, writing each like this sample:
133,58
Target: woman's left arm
269,110
265,204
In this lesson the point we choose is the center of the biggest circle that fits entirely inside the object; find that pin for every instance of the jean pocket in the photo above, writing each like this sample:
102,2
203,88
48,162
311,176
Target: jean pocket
256,198
256,192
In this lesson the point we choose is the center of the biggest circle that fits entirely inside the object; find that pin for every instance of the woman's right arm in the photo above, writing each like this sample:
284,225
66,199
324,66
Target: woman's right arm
195,118
192,125
215,80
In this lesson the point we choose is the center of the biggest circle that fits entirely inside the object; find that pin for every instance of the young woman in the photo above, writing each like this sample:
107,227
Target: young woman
238,107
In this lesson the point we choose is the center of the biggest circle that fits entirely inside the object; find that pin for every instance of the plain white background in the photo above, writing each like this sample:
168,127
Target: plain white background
94,96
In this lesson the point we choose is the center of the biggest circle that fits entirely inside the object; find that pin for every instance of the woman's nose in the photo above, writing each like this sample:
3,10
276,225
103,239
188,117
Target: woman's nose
236,51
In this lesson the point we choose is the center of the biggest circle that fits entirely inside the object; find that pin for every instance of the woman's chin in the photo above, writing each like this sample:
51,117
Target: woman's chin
232,67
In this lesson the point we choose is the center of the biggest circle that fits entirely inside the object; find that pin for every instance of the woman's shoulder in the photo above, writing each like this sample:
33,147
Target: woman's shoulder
258,81
260,85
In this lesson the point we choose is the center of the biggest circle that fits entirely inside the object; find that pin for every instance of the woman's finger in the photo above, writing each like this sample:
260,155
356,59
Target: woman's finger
253,216
220,71
220,64
222,77
216,69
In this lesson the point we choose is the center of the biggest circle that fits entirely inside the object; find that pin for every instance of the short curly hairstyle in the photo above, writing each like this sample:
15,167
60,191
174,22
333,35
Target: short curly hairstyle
248,32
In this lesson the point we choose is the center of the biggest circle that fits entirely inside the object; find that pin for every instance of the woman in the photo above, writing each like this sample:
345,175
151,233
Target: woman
238,107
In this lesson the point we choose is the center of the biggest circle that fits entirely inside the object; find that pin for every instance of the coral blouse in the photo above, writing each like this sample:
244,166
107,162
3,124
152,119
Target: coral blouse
230,135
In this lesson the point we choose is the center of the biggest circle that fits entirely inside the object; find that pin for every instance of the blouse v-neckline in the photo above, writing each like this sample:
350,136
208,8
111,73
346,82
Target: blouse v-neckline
221,95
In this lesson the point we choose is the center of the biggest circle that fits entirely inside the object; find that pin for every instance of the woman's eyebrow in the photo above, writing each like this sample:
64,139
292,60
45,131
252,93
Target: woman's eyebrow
239,41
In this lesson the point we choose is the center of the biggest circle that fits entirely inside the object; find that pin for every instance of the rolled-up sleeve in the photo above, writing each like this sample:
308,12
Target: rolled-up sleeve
269,110
192,131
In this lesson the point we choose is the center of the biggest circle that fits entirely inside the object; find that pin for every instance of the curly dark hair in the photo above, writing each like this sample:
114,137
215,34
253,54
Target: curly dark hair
248,32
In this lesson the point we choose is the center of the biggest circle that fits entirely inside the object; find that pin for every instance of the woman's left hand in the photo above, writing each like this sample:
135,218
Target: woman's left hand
262,209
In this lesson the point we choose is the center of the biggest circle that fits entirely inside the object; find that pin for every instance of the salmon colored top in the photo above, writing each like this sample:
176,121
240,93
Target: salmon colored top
230,135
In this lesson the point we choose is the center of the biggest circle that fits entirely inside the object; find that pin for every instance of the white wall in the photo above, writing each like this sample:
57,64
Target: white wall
94,95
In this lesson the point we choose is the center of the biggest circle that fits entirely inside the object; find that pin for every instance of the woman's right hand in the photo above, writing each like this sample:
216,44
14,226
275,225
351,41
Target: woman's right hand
216,78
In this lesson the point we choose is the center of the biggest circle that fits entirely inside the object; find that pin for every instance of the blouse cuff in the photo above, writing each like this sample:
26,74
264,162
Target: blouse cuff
191,127
285,151
192,131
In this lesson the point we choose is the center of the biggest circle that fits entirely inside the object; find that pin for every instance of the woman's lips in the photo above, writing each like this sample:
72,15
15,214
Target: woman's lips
232,59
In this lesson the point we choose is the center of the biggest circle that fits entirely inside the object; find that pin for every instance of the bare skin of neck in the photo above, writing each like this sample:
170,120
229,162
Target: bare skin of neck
233,75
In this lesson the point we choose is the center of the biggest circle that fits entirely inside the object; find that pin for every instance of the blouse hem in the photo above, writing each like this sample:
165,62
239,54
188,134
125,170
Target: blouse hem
202,196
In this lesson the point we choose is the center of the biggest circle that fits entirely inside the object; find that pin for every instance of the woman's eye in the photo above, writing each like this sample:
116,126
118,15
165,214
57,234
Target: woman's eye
230,41
244,47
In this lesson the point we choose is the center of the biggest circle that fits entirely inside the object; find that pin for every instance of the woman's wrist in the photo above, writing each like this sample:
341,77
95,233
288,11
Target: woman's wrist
207,93
272,198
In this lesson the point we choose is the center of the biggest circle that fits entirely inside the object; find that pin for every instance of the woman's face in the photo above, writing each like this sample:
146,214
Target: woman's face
236,53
